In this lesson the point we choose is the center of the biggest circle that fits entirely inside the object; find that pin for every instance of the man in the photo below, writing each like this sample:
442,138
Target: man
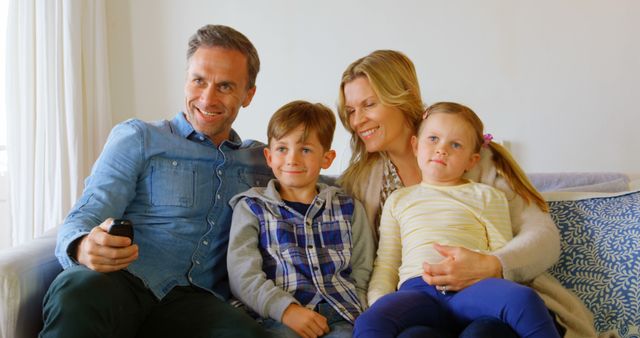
173,181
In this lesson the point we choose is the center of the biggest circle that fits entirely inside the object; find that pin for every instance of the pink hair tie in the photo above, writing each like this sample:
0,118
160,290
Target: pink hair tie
487,139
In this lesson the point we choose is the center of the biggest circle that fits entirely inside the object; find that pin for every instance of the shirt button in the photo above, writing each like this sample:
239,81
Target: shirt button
190,279
205,242
219,172
174,163
218,196
197,262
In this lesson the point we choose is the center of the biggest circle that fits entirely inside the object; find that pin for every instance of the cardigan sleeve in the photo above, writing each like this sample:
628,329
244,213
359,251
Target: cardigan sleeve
370,189
363,252
535,246
386,267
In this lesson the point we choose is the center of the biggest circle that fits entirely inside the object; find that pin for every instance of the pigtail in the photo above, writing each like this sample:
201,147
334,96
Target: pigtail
508,168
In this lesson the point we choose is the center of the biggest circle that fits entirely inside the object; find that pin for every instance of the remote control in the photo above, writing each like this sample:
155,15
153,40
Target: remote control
121,227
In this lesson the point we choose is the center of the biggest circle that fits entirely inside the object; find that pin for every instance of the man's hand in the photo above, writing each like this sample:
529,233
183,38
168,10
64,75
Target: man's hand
306,323
460,268
103,252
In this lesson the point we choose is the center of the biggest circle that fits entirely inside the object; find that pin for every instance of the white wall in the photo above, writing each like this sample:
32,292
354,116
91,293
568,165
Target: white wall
557,79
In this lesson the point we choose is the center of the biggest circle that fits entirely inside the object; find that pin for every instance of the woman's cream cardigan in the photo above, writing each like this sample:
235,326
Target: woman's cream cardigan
534,248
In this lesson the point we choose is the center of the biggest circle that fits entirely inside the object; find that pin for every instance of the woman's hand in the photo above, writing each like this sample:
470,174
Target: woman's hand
460,268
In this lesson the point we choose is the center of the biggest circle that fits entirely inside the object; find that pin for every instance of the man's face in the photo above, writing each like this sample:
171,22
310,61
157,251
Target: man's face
215,89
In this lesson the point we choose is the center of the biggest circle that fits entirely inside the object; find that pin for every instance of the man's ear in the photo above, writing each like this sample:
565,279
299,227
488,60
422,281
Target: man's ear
249,97
414,144
328,158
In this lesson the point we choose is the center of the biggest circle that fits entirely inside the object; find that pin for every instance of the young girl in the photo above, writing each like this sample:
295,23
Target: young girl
446,209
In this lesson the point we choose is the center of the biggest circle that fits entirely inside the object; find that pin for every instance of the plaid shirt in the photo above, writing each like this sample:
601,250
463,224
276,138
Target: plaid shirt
309,255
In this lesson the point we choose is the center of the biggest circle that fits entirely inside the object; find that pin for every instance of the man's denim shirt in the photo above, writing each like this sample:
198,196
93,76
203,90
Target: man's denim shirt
174,185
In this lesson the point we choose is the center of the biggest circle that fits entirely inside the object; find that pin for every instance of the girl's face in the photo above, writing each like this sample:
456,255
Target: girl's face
380,127
445,149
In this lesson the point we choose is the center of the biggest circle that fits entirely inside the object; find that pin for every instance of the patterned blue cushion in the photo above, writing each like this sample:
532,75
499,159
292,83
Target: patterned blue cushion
600,258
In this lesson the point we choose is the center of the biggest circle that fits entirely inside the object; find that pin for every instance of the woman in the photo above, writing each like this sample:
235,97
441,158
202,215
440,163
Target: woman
380,104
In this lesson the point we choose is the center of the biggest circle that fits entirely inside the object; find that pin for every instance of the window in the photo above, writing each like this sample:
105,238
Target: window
4,7
5,234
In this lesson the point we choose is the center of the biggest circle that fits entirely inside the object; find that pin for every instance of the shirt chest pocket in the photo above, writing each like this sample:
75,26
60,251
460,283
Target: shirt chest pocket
172,183
335,235
278,235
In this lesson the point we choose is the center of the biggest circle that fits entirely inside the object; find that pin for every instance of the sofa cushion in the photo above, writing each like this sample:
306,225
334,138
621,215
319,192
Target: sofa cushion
600,259
585,181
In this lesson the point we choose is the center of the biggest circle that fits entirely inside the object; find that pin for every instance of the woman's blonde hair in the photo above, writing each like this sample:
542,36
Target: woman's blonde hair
393,78
506,165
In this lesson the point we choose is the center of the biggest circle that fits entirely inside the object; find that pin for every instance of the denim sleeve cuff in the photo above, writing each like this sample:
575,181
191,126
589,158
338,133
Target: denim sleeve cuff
64,244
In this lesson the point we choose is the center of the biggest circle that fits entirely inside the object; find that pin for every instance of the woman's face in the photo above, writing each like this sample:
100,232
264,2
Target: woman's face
380,127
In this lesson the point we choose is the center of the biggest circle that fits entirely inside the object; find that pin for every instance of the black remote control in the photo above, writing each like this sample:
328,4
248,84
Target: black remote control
121,227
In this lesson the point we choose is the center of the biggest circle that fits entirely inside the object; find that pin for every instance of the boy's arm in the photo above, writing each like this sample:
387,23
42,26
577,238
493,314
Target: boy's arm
498,220
305,322
385,276
247,280
363,251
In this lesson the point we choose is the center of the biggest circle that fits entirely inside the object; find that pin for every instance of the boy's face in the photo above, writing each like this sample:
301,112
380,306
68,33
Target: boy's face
445,149
296,163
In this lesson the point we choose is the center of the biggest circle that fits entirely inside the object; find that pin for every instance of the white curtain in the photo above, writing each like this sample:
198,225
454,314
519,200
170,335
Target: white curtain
58,110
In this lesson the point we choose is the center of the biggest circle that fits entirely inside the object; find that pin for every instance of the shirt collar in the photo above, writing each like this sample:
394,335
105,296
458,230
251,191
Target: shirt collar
185,129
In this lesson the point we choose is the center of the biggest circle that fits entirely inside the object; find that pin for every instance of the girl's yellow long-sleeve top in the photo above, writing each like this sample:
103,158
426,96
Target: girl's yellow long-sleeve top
471,215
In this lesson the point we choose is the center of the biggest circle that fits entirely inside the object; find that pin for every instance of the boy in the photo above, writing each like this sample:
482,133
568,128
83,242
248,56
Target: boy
300,252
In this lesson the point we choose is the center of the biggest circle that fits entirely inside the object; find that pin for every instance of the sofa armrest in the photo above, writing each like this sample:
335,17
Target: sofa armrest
25,274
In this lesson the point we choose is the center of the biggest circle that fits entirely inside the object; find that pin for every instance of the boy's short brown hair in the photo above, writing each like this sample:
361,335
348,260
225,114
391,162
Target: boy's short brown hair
313,116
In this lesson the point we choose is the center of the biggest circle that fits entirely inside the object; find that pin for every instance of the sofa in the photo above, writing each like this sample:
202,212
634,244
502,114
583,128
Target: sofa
598,215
